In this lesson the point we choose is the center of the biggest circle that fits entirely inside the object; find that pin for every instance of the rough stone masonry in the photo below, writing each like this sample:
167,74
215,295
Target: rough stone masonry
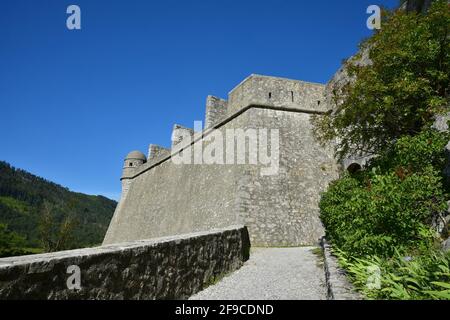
165,268
162,198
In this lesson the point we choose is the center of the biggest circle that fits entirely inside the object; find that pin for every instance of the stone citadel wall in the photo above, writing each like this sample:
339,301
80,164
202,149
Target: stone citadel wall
165,198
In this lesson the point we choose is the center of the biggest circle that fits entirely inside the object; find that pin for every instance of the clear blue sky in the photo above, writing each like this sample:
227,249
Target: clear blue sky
74,103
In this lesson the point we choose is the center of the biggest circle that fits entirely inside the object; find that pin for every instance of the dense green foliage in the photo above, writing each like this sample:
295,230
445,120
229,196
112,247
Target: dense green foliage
399,92
390,205
55,236
425,276
381,217
29,204
12,244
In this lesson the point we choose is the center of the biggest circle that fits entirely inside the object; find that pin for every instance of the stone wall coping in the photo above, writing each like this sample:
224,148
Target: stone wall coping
111,248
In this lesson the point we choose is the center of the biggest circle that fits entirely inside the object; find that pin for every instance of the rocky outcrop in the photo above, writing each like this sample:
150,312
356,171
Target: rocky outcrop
446,245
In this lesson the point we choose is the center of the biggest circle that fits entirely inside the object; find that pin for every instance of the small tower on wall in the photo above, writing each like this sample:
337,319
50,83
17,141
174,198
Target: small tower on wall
132,161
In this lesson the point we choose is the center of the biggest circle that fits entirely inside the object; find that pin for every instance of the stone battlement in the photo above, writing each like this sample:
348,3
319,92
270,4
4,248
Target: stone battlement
255,90
274,91
269,91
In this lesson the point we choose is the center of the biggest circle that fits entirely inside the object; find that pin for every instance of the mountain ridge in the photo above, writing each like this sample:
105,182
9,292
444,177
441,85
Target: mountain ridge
24,197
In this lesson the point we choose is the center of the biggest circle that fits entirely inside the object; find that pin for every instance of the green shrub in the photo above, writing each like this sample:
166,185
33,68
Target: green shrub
375,216
389,206
422,277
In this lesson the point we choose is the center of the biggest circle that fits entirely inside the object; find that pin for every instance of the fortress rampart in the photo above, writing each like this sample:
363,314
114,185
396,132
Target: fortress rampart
163,198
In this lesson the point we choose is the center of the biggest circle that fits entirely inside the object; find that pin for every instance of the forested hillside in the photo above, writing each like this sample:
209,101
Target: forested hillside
38,215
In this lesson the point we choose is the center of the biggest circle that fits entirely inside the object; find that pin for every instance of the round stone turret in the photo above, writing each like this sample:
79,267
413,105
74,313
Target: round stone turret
132,161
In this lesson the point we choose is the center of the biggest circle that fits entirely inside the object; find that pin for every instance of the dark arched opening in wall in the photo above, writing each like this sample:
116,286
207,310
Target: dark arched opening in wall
354,167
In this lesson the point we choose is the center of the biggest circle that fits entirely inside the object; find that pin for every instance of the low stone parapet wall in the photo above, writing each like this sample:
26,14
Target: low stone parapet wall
163,268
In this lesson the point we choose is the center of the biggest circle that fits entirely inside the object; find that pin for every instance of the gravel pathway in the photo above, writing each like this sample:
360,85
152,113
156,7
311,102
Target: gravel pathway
272,274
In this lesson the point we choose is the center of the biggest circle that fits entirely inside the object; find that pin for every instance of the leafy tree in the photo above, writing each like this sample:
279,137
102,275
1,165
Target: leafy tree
9,238
10,242
400,91
54,236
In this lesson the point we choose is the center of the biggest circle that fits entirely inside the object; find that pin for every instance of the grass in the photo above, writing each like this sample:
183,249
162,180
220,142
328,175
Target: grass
320,256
